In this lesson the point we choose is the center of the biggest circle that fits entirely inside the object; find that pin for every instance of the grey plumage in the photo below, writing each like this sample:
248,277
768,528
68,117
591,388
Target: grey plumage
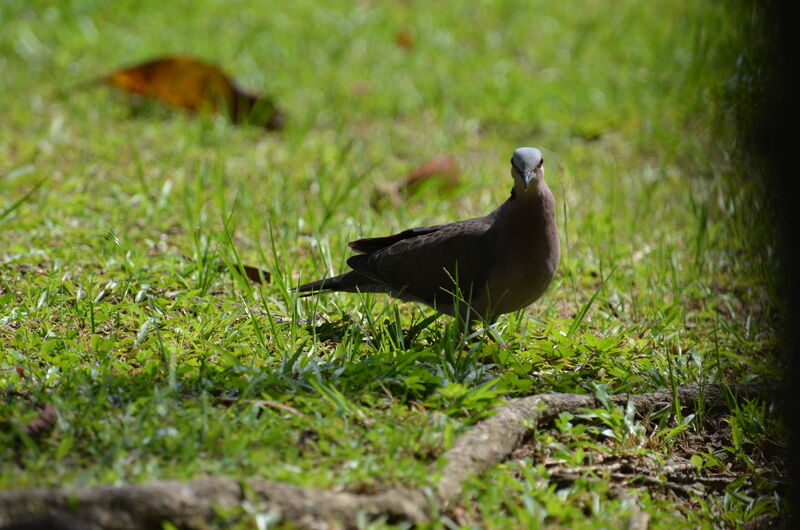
498,263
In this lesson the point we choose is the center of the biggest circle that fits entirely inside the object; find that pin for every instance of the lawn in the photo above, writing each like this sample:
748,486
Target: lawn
123,223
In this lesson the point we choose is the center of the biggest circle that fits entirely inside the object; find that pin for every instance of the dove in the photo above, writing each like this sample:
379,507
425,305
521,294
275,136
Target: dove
476,268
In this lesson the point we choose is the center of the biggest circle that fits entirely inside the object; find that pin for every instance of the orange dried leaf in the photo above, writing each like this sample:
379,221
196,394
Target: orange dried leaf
444,168
253,274
442,171
188,83
404,39
182,82
256,275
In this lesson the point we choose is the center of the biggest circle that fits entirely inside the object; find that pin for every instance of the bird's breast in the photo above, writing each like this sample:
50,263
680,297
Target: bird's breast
526,258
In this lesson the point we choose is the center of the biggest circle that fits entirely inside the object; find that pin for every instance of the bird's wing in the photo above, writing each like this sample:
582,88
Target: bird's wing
369,245
374,244
423,265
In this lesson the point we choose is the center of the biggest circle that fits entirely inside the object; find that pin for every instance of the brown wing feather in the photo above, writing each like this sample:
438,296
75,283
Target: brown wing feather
422,266
374,244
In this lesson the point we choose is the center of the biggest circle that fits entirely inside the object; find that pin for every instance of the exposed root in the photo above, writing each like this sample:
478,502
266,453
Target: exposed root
194,503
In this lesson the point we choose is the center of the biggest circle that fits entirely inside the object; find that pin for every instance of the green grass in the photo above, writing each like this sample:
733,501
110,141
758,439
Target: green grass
121,225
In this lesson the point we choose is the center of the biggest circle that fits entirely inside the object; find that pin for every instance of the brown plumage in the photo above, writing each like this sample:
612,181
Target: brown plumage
478,268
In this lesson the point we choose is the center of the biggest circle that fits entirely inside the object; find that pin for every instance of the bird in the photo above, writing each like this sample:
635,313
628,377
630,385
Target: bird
477,269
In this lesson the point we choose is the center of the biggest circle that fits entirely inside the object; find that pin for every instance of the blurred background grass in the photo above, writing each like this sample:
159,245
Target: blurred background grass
620,98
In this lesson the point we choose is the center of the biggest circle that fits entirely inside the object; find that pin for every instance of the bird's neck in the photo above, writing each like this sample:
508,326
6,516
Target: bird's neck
534,191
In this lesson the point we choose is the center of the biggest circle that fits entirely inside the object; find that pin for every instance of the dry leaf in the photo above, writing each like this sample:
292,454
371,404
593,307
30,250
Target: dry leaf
442,171
252,273
443,168
188,83
404,39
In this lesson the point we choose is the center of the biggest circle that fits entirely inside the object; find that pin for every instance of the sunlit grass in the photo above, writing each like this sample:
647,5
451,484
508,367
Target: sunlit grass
122,226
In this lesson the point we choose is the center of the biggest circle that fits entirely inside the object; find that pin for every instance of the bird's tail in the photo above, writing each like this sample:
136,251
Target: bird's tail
334,283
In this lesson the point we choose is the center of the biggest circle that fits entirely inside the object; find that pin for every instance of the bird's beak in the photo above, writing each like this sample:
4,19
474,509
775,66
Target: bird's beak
526,178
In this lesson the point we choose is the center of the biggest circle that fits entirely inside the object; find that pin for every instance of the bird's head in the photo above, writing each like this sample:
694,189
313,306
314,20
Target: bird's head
526,165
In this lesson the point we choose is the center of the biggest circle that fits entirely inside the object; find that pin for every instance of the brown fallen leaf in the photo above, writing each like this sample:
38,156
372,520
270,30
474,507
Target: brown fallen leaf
442,171
254,274
443,168
195,85
404,39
